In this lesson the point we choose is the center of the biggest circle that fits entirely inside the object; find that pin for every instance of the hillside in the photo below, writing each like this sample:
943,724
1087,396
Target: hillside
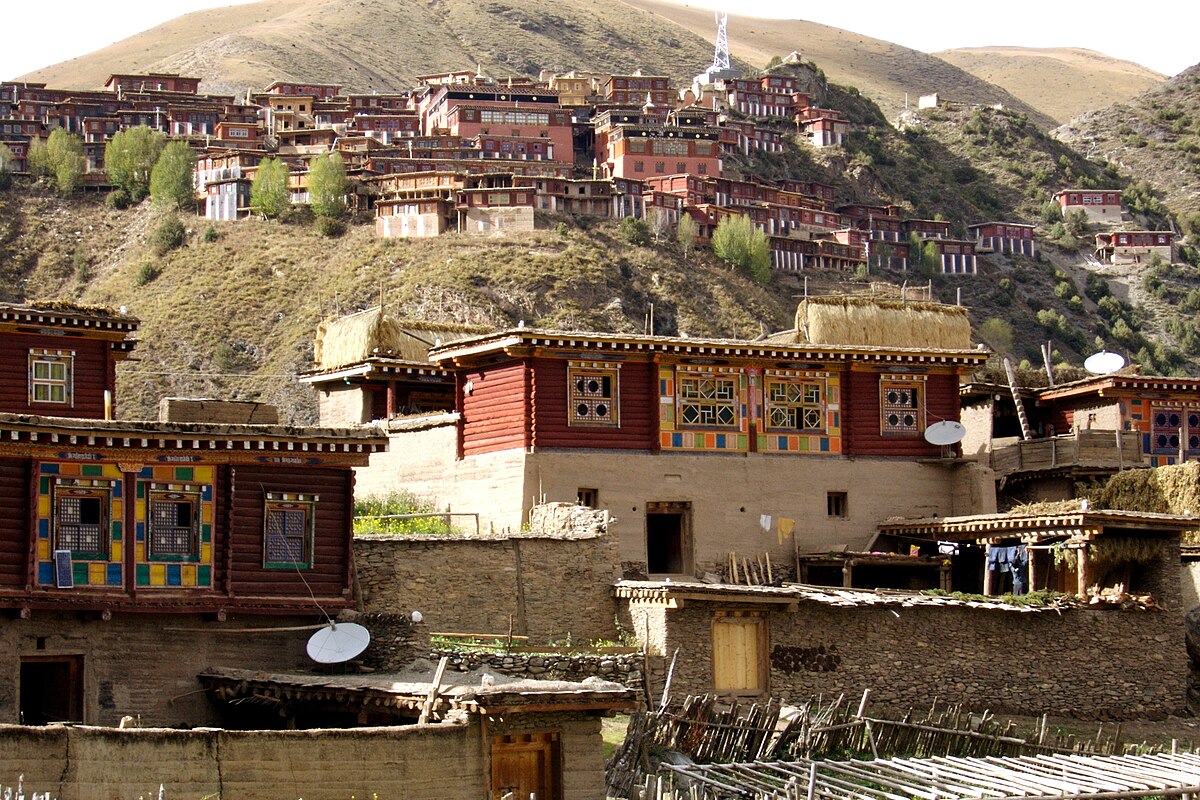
1060,82
1155,136
354,43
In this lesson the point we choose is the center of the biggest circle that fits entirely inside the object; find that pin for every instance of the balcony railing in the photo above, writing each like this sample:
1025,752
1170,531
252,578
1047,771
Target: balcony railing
1085,450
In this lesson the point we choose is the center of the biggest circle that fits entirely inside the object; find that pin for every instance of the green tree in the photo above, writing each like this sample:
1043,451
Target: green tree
634,231
327,186
129,158
1076,222
64,155
6,166
685,233
38,159
737,242
171,179
269,193
998,334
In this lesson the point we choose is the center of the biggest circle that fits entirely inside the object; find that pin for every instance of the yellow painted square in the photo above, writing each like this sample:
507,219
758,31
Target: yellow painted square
187,575
158,574
139,551
44,506
118,509
202,474
206,513
205,553
97,574
115,554
43,549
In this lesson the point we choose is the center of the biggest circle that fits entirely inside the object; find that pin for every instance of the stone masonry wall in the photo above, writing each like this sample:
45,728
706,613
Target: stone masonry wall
426,762
624,668
1082,662
551,585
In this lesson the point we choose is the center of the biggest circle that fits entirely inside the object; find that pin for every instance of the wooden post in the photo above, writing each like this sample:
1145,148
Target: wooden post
987,570
848,574
391,400
1085,572
1029,565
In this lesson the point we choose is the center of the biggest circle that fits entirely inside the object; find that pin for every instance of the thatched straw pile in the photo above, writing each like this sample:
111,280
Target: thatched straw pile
874,322
372,333
1162,490
1125,550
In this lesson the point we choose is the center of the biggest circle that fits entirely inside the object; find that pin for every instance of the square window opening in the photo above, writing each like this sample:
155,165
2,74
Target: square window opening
836,504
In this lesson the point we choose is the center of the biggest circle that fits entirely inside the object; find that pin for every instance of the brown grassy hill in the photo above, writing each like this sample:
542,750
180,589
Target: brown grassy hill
384,44
1060,82
1154,136
883,71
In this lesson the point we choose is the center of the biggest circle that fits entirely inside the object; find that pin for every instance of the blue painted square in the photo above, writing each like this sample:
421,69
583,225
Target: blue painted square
824,445
117,488
43,529
174,575
782,445
113,578
147,472
139,530
720,440
662,388
50,469
206,492
676,440
837,419
45,572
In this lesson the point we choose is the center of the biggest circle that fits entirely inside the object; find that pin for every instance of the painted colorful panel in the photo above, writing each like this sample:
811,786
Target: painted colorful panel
81,508
174,527
800,412
704,409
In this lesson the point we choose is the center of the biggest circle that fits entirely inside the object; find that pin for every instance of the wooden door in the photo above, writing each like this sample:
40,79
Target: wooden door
526,766
739,650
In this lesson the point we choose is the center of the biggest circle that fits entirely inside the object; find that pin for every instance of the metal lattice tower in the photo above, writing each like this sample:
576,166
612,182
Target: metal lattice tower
721,53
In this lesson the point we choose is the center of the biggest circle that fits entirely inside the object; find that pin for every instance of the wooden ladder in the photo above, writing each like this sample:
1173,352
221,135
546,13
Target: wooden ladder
1016,396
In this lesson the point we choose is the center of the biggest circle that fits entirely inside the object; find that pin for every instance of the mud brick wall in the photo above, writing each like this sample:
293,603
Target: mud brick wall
1096,664
426,762
550,585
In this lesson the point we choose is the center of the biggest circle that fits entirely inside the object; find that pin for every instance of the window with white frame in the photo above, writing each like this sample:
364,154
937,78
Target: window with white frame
795,405
708,401
51,376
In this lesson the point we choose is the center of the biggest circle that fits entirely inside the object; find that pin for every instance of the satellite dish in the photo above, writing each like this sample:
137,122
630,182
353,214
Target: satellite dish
1104,362
945,433
338,642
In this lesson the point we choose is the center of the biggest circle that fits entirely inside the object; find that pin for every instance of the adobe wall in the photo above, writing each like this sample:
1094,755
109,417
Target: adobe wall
1081,663
551,586
426,762
133,666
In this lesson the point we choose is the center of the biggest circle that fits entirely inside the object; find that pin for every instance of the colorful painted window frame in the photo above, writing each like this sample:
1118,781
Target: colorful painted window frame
101,481
173,522
708,401
1173,427
902,405
82,515
593,394
794,406
289,523
51,376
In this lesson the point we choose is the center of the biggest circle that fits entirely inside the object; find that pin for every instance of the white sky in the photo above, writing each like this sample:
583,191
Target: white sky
1162,37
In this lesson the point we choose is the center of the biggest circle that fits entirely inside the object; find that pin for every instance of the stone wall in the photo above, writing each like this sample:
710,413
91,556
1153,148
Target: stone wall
623,668
145,665
426,762
549,585
1082,662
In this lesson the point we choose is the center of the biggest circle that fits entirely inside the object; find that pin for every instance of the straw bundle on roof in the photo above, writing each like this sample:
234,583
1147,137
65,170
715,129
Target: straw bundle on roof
873,322
1163,490
372,333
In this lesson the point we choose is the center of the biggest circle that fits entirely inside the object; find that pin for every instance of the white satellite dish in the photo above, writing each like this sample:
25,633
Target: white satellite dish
338,642
1104,362
945,433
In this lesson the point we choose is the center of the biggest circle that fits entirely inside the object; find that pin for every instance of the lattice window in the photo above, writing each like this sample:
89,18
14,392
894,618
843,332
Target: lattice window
708,402
593,393
174,529
288,523
901,409
51,376
81,522
1173,427
795,406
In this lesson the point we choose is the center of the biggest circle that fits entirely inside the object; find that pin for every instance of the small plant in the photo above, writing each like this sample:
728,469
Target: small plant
371,516
330,227
117,199
82,265
147,271
210,234
634,231
169,235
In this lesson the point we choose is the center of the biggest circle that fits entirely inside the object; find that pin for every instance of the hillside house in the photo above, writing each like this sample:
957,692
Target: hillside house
1100,205
152,81
111,528
639,145
637,90
1134,247
927,228
693,441
823,127
955,256
1014,238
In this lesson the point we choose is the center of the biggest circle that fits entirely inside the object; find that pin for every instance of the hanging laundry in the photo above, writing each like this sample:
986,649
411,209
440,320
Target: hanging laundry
786,528
764,521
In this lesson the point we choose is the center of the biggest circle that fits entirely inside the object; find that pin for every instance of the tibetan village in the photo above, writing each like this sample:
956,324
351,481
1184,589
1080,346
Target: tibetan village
847,558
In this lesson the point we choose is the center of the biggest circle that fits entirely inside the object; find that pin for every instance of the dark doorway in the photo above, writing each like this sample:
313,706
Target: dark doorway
668,538
51,689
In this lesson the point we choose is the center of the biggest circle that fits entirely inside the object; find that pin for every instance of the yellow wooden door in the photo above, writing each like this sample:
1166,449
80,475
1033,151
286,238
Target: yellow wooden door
738,654
525,766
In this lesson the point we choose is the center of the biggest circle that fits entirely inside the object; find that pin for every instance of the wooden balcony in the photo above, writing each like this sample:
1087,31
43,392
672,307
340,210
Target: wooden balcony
1081,452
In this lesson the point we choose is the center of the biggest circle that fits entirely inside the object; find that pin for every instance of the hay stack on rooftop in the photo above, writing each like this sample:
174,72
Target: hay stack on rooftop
875,322
373,334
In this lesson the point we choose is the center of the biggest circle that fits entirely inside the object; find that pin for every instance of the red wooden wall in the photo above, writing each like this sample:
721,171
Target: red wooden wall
15,534
637,409
94,372
330,571
495,415
861,422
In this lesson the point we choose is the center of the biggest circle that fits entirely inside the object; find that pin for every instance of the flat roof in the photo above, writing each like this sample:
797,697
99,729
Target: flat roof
1032,526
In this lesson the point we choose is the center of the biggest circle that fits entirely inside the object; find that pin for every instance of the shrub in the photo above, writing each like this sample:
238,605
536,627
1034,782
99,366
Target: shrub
210,233
368,509
634,231
330,226
739,243
169,235
147,271
118,199
82,264
171,178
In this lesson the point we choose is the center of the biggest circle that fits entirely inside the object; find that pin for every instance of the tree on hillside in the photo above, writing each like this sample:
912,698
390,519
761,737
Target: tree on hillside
269,193
38,158
64,155
738,242
129,158
6,166
327,186
685,233
171,179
